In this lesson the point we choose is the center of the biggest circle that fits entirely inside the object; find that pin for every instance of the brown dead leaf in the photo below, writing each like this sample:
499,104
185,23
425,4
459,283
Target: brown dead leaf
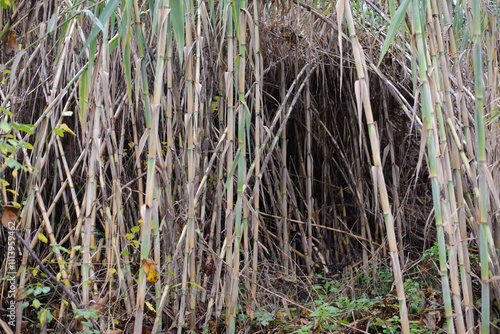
9,43
250,313
100,306
24,324
9,216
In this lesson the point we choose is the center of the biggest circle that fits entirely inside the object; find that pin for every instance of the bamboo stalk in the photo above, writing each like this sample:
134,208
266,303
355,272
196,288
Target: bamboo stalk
309,161
433,153
363,89
229,97
256,189
151,116
483,227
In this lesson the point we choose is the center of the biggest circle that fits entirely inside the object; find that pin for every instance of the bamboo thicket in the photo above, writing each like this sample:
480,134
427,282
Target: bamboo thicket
187,165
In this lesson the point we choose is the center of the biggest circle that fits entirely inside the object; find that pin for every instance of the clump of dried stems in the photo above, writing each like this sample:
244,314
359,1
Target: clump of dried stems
222,143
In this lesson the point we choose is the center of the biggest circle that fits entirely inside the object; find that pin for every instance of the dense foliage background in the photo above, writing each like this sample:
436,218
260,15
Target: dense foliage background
251,166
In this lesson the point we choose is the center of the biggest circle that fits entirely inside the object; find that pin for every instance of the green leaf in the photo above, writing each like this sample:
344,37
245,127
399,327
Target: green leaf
113,44
38,291
2,108
5,126
27,145
94,19
5,4
104,17
393,28
135,229
13,163
127,68
51,26
178,25
83,93
28,128
36,303
49,317
59,132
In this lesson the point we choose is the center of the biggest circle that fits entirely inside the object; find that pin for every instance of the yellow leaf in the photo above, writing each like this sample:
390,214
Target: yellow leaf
35,272
10,190
150,307
112,271
42,316
42,238
151,270
58,276
65,128
196,285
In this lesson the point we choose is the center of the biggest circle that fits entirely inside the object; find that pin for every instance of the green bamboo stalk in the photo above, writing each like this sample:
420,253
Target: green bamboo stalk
256,189
463,253
482,217
433,151
152,116
229,97
238,220
448,200
169,158
190,132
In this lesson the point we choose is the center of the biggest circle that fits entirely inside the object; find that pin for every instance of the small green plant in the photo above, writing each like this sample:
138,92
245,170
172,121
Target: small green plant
9,145
304,330
263,318
388,326
431,253
325,317
87,315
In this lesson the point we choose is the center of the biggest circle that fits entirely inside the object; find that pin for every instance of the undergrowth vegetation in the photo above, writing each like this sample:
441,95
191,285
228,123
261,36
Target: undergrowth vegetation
356,300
